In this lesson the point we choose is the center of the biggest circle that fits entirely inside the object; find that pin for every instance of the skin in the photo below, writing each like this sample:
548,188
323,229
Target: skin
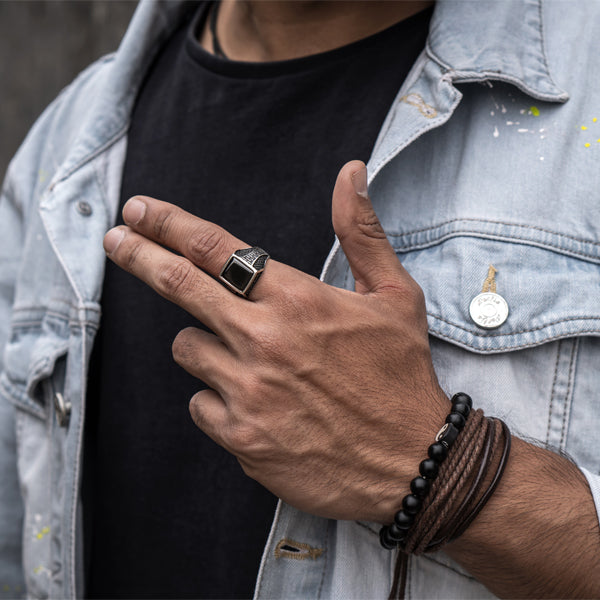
280,30
307,392
328,397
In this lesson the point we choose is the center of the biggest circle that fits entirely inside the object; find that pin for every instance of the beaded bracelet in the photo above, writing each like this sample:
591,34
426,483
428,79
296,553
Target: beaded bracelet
392,535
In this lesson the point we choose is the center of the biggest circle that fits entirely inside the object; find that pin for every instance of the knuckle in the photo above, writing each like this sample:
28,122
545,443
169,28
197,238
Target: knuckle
242,438
205,242
269,341
414,294
133,253
252,388
182,346
177,279
370,226
161,226
196,412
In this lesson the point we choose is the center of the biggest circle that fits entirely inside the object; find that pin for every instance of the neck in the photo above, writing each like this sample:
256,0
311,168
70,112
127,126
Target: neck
261,31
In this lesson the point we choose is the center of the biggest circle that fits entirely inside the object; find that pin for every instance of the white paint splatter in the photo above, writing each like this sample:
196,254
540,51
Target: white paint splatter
42,570
503,109
509,123
37,517
522,130
541,158
496,132
492,113
522,111
542,137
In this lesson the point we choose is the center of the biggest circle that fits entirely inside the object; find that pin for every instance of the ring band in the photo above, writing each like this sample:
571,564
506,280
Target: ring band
243,269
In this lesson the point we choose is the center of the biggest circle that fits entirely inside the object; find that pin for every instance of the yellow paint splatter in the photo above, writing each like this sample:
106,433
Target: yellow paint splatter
535,111
588,145
594,119
40,534
583,128
38,570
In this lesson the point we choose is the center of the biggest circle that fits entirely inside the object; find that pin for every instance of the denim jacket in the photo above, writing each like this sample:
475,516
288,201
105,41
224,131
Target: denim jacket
490,155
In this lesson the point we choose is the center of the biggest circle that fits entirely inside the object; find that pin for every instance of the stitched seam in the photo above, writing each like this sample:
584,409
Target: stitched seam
50,425
478,77
432,124
495,236
552,393
99,180
408,586
569,393
539,328
365,526
437,562
45,309
518,346
116,137
19,399
267,551
326,552
78,459
543,43
495,222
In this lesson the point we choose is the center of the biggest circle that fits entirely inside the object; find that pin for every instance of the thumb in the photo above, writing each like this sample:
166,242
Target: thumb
372,259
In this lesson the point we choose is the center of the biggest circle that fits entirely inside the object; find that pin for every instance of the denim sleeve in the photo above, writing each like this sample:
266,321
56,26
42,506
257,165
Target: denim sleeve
11,504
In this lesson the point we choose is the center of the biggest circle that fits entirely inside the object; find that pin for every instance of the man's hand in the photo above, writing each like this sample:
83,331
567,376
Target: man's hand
327,397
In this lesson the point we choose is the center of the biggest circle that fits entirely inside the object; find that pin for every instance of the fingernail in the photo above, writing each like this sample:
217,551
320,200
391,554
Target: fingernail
112,240
359,180
134,211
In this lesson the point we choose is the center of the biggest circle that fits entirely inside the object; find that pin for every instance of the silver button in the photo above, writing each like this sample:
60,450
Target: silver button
488,310
62,408
84,208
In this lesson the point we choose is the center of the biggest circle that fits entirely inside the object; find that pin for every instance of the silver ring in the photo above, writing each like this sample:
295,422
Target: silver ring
243,269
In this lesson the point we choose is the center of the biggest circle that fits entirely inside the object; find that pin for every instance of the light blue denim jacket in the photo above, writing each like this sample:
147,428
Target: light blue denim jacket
490,155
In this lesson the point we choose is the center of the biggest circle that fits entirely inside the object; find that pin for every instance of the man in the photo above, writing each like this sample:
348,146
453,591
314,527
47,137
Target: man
327,392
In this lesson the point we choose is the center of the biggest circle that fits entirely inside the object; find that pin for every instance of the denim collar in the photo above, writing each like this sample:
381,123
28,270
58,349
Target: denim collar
499,40
471,41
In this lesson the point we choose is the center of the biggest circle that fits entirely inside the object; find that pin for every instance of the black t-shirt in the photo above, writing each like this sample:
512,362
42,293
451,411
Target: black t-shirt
254,147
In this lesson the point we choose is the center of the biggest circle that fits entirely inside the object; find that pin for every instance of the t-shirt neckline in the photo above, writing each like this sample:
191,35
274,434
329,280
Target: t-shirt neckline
251,70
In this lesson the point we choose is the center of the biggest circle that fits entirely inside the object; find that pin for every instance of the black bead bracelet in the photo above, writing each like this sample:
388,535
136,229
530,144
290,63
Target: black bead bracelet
393,535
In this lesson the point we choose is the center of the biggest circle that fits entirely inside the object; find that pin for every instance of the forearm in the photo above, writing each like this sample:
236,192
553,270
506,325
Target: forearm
538,536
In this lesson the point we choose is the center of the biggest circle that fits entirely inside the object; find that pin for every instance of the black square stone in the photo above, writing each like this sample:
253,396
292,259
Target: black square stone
238,275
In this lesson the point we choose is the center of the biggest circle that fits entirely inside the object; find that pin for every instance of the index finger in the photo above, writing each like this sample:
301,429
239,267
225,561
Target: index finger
205,244
173,277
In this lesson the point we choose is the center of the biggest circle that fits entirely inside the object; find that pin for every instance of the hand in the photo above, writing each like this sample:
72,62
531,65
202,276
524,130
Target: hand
327,397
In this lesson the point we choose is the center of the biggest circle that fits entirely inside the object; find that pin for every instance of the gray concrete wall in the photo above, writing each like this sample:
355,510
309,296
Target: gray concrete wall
43,45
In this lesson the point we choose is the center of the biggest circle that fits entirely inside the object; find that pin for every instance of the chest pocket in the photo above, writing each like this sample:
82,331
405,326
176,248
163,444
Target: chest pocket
549,294
34,361
536,368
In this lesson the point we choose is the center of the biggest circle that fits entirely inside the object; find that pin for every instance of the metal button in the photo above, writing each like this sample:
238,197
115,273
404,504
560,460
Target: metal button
62,408
488,310
84,208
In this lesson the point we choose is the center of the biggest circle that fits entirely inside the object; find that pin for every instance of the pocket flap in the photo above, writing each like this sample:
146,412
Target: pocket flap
550,294
35,346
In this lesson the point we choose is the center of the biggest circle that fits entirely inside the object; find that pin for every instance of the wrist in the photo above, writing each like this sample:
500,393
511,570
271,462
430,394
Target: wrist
461,472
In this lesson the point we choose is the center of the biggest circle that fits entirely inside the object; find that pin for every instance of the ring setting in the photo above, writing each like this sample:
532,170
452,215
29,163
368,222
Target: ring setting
243,269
